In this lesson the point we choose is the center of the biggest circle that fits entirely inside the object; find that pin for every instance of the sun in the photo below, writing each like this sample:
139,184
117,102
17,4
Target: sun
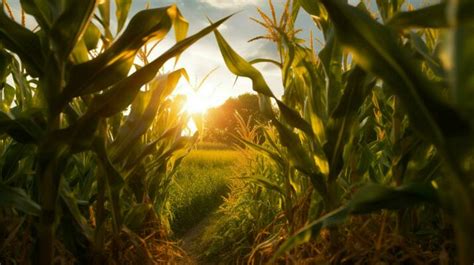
196,103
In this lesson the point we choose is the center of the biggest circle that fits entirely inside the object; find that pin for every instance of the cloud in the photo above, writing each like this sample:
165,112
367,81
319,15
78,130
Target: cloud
225,4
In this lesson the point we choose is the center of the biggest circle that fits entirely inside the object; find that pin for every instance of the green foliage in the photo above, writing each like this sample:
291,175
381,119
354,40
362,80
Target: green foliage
88,164
201,182
17,198
243,216
370,118
220,123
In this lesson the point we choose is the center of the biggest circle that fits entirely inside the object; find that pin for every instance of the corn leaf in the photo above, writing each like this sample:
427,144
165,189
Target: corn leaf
331,58
461,55
240,67
313,8
377,51
375,197
311,230
434,16
122,7
265,183
368,199
40,10
92,36
23,42
23,128
264,60
114,181
5,61
122,94
137,214
386,8
114,64
294,119
17,198
88,42
71,25
263,150
180,24
344,115
299,158
150,148
114,178
143,113
12,157
420,46
70,200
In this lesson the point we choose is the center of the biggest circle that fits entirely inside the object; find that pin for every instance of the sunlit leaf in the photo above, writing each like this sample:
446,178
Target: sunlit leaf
70,26
265,183
122,93
122,7
239,66
433,16
377,51
142,116
113,65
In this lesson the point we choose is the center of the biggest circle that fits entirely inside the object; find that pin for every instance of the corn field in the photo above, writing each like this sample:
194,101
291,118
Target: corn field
367,158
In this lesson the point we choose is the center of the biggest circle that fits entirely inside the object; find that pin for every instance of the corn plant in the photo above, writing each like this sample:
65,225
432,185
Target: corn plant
373,92
324,121
71,83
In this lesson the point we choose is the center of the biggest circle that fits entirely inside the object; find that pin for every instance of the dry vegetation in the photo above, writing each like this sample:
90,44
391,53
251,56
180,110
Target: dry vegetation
366,159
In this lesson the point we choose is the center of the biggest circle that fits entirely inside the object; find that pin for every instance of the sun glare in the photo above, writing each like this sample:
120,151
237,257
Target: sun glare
198,101
196,104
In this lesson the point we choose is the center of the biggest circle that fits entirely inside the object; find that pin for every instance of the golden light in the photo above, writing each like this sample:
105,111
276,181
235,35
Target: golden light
200,99
196,103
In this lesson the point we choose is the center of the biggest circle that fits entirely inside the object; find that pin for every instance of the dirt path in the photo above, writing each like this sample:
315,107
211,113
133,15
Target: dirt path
191,241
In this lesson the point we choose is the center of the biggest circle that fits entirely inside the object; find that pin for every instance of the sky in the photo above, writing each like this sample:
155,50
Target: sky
204,56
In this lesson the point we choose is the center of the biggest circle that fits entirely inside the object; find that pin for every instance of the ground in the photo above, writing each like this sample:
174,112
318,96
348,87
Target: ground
201,183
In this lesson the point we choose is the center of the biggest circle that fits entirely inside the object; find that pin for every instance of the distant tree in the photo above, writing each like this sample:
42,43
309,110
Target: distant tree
220,122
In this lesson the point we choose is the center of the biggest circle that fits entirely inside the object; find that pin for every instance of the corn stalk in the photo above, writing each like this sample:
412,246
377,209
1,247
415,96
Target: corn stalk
326,113
80,86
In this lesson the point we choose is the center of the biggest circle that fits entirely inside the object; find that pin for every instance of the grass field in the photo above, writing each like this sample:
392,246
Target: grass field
200,184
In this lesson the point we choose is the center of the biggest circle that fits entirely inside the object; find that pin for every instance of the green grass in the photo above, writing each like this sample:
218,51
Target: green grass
201,182
212,146
246,211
